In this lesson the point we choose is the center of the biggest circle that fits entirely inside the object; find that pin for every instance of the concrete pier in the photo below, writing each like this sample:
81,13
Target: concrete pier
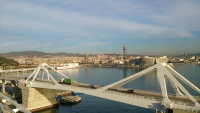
35,99
3,86
15,89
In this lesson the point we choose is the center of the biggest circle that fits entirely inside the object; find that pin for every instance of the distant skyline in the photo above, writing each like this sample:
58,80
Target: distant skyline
96,27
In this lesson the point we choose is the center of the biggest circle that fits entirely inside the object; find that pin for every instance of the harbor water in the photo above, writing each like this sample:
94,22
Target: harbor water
105,76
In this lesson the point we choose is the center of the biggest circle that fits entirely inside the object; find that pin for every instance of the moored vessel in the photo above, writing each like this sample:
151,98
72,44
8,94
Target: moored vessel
68,97
67,66
198,63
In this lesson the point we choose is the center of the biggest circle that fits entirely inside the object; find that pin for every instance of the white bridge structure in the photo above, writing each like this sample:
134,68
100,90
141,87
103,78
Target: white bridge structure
17,70
163,101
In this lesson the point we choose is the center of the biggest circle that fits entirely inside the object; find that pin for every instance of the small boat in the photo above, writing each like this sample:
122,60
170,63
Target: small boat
67,66
198,63
70,99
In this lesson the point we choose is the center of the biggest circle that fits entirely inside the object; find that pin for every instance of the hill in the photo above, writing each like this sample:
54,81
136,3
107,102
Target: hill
190,54
37,53
8,62
44,54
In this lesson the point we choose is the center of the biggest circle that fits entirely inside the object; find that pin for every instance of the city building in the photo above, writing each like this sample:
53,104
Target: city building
86,57
162,59
144,61
124,49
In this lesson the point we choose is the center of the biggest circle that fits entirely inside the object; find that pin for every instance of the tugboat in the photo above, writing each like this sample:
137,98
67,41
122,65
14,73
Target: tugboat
69,99
198,63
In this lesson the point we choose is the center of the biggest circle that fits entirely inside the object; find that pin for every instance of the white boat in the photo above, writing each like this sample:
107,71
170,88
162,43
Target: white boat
198,63
70,99
68,66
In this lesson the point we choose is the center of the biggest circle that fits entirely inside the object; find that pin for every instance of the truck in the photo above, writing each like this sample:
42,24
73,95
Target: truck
69,80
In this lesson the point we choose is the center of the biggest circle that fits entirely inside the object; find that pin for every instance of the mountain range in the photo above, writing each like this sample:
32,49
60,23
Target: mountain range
37,53
44,54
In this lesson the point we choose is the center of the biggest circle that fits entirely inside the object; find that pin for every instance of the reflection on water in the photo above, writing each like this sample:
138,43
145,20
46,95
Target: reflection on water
125,75
71,73
86,73
125,72
192,73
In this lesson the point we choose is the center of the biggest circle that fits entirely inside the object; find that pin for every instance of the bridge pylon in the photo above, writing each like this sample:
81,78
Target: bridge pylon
45,68
163,72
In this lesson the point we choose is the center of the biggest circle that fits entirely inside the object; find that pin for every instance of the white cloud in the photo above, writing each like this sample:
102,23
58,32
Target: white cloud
46,19
9,44
11,38
72,47
180,15
94,43
74,24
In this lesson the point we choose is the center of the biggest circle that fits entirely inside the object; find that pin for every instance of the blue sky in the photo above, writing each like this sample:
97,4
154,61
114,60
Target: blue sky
151,27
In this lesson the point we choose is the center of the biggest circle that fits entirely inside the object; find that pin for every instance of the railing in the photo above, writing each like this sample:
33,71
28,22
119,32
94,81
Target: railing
76,87
17,70
175,103
133,95
185,106
15,76
4,107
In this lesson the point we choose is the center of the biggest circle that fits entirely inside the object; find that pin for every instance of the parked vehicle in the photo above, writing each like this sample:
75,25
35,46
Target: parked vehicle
67,80
130,91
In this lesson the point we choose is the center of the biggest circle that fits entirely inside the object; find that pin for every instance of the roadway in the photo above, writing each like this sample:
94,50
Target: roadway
149,94
146,99
125,91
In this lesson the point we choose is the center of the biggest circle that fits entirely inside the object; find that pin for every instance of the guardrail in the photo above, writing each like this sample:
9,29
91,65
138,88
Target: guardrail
4,107
17,70
129,95
175,104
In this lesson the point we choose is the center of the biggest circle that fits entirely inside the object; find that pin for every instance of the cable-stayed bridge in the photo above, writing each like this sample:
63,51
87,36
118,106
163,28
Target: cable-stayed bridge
182,99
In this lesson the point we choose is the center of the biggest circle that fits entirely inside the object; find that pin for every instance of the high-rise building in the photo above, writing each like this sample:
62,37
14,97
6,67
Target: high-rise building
124,49
185,55
86,57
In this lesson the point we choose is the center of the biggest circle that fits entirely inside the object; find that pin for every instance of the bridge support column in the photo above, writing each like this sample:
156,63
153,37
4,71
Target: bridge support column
35,99
15,89
3,86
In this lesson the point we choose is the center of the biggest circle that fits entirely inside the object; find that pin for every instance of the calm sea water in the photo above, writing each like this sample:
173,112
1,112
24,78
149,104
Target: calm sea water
105,76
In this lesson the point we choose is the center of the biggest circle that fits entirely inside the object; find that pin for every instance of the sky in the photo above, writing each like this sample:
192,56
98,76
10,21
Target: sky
146,27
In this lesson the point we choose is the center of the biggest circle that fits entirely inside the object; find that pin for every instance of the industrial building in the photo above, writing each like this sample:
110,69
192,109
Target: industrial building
147,61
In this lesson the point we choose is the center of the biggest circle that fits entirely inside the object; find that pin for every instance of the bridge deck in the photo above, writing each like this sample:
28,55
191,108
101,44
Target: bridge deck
146,99
150,94
143,93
